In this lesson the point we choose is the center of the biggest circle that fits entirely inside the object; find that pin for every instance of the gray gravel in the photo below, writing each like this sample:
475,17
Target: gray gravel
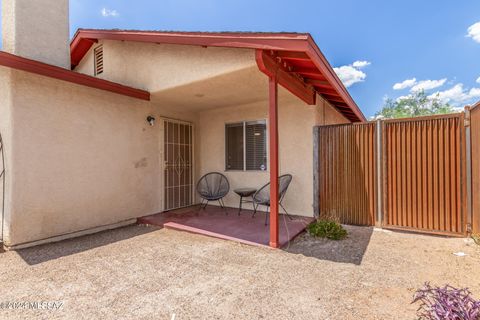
141,272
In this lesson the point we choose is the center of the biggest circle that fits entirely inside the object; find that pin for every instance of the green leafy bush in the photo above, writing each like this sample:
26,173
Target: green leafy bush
327,229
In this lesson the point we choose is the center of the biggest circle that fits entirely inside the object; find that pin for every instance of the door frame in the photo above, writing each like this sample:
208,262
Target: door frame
162,160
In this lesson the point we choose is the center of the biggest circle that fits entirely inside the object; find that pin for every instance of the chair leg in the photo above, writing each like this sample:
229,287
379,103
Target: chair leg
289,216
201,206
220,201
206,204
254,209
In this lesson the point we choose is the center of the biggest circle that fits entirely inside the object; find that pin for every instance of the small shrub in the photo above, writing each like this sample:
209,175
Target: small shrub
476,238
446,303
327,229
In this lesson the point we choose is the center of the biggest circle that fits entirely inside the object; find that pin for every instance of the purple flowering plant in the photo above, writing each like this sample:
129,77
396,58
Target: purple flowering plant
446,303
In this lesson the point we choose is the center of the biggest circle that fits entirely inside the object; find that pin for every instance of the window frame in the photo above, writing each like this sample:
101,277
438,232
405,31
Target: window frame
244,126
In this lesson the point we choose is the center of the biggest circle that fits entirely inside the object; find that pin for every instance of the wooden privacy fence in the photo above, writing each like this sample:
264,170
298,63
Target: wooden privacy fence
347,172
406,174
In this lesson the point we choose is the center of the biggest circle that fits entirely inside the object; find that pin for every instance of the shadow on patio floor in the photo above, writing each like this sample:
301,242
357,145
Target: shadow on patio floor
51,251
350,250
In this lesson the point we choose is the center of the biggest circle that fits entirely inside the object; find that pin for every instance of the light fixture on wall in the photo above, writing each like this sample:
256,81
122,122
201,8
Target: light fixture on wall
151,120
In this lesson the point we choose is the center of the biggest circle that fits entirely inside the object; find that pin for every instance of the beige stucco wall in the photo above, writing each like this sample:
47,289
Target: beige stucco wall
6,128
78,158
157,67
296,120
81,158
37,30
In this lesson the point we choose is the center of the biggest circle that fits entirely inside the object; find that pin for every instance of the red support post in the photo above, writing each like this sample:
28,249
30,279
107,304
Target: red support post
273,143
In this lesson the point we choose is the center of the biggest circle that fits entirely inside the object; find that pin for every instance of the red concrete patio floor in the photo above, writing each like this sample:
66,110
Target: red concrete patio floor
214,222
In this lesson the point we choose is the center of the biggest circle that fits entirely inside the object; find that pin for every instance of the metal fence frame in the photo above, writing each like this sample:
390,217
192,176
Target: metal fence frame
338,188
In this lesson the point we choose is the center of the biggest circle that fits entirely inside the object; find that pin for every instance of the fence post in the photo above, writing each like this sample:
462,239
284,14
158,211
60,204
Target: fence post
468,169
316,172
379,166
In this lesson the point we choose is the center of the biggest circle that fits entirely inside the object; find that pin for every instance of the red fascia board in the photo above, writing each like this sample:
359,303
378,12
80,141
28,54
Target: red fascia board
265,41
40,68
322,64
82,48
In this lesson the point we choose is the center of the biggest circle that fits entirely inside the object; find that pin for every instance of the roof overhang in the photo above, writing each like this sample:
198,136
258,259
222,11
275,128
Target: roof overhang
303,68
43,69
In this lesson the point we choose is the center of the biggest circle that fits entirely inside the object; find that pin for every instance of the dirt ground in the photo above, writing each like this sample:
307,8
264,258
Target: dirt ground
141,272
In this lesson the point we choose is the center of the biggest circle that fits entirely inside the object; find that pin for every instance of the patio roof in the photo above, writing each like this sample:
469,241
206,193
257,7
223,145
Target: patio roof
303,69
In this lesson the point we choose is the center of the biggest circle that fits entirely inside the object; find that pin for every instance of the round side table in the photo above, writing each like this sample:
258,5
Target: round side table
244,193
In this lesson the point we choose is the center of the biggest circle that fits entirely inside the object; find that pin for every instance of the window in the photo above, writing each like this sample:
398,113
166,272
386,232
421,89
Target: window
98,60
246,146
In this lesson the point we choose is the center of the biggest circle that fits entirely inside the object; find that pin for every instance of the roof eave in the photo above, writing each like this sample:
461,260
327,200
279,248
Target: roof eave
299,42
20,63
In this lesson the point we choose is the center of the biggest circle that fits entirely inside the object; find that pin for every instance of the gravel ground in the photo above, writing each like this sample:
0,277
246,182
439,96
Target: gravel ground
141,272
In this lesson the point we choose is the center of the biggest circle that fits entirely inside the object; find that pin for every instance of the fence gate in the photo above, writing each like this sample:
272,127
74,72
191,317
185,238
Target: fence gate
424,174
401,174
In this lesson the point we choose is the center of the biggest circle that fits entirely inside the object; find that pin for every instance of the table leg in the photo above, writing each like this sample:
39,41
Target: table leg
240,206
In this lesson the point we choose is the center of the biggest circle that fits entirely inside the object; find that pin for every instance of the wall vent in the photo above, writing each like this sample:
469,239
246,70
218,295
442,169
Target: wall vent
98,56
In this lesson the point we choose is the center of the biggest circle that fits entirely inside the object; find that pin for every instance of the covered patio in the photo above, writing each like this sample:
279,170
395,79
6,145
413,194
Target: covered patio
243,228
239,104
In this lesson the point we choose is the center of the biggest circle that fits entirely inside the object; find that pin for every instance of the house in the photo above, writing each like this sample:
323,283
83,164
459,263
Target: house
80,155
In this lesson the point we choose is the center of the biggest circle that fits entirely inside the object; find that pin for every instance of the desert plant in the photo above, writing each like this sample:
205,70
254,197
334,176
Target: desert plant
327,229
446,302
476,238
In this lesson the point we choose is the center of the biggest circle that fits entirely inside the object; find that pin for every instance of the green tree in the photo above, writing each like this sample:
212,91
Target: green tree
415,105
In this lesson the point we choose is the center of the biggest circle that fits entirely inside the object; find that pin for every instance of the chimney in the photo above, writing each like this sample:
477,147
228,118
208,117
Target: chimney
37,29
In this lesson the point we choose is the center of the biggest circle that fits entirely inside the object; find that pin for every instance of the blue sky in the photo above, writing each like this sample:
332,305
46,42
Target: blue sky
391,41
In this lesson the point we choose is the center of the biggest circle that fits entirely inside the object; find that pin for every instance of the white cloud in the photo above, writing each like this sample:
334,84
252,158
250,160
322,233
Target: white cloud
360,64
474,92
457,94
351,74
405,84
109,13
474,32
428,84
478,80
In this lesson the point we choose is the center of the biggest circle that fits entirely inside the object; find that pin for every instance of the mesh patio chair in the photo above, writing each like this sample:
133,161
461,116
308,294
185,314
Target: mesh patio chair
213,186
262,196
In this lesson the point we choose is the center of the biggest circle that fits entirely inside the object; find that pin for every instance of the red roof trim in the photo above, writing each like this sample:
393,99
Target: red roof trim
327,70
287,42
40,68
267,41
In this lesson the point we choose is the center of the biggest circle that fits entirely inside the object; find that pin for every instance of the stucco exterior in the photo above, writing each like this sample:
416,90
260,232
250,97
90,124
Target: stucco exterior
37,30
296,120
76,157
79,158
158,67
